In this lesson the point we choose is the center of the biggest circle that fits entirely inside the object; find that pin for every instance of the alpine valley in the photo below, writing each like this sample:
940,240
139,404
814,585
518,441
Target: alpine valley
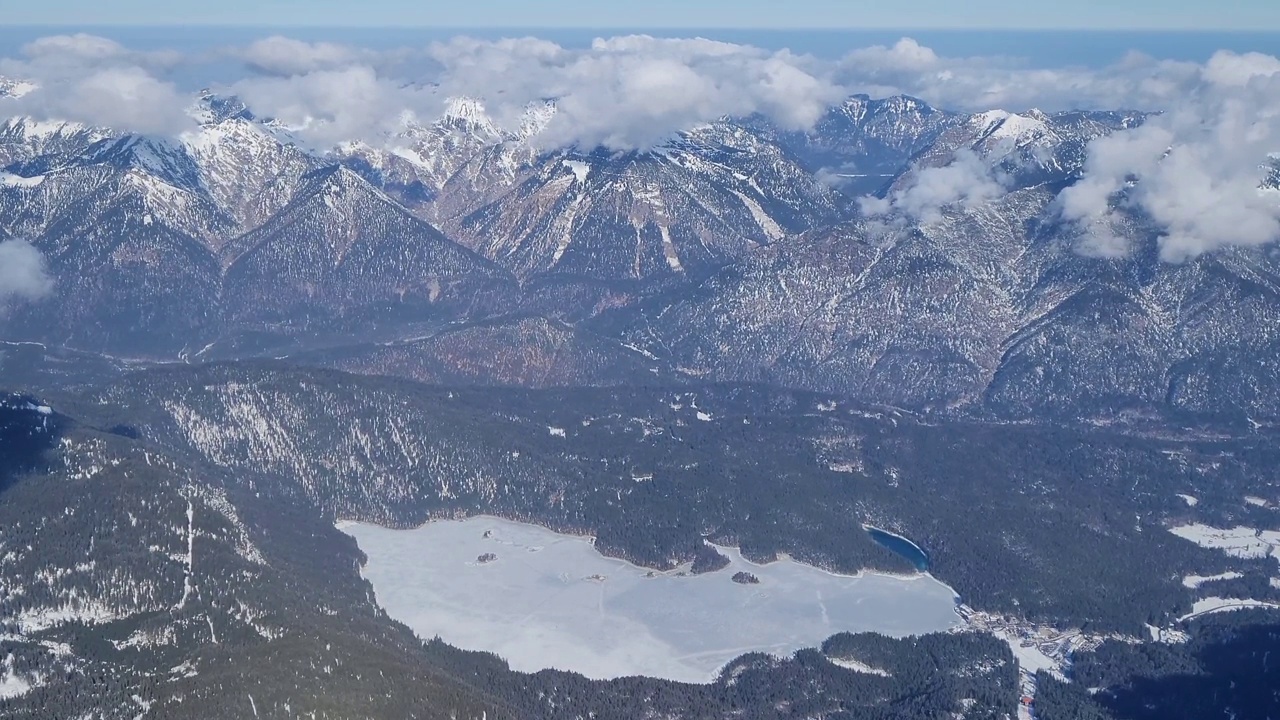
737,337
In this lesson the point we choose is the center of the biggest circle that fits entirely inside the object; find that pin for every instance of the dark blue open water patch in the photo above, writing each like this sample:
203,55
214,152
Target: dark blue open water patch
901,546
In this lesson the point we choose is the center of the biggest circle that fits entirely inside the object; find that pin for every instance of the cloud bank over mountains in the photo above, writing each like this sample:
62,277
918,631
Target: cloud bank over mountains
23,275
96,81
967,181
1193,170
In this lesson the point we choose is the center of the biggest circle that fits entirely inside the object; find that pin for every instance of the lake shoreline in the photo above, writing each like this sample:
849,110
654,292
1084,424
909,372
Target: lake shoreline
546,600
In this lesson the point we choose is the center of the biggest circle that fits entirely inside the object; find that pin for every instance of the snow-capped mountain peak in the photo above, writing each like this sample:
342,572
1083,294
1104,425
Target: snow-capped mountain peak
14,88
211,108
163,158
469,114
1019,129
536,117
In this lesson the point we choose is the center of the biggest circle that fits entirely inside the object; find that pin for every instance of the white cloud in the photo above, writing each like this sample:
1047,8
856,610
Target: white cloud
1194,170
126,98
905,56
634,91
278,55
23,276
623,93
326,107
967,182
985,83
80,45
81,48
97,81
1228,69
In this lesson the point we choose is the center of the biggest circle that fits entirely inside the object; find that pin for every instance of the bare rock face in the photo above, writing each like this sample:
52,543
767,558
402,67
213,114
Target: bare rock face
462,252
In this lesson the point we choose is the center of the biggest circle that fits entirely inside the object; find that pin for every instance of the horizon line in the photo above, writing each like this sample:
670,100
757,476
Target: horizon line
664,28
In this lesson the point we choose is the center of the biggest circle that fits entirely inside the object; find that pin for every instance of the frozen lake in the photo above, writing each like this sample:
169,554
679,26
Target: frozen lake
551,601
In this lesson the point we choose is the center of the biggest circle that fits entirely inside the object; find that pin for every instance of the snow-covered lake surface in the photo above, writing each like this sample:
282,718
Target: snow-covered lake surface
551,601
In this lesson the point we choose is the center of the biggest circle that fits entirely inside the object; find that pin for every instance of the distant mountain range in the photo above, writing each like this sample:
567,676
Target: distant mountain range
745,335
735,251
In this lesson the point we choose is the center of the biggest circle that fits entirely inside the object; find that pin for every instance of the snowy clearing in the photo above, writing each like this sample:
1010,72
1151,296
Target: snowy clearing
1240,542
1204,606
1195,581
856,666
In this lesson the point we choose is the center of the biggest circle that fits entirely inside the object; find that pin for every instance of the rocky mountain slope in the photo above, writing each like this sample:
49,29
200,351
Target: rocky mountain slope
734,251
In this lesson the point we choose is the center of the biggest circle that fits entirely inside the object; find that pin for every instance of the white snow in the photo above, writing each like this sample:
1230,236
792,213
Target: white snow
11,180
16,88
1190,500
551,600
580,169
566,221
142,638
535,118
42,409
771,228
1195,581
555,431
1239,541
44,129
471,112
190,558
639,350
11,683
669,250
39,619
1169,636
143,705
1002,125
1030,658
1205,606
857,666
1257,501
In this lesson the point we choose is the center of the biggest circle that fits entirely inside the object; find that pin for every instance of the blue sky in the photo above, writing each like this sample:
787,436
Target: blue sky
1092,14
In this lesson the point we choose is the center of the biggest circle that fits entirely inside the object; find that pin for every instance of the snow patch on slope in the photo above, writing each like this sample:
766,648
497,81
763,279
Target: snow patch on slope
770,227
580,169
11,180
1195,581
11,683
1240,542
857,666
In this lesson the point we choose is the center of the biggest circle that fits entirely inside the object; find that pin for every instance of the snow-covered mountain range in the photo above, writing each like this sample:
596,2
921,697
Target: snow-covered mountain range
895,252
